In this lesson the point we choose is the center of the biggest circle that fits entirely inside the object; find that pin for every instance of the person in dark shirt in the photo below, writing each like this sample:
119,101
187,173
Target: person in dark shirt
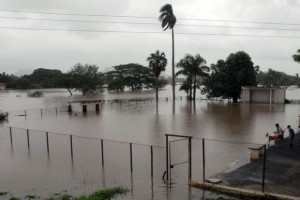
291,136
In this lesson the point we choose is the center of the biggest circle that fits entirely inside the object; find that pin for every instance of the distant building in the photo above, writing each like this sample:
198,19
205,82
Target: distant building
85,106
267,95
2,86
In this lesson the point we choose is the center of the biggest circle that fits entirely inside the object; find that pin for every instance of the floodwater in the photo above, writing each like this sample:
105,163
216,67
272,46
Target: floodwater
28,168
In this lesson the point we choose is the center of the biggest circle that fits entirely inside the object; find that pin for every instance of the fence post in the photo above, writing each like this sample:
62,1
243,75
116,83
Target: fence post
28,138
190,158
151,148
56,110
264,169
25,114
10,132
167,156
130,145
203,158
71,145
47,138
102,152
41,112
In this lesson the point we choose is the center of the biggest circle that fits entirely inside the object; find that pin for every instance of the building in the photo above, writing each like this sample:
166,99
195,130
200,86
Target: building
2,86
266,95
85,106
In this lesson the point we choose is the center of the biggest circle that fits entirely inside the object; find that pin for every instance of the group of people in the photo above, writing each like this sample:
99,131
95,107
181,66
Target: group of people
279,133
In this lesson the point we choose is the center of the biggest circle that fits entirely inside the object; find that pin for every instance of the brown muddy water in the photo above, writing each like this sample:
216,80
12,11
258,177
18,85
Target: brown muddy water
32,170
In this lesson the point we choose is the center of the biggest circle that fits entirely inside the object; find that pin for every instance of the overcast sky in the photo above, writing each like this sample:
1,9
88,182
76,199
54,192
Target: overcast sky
30,49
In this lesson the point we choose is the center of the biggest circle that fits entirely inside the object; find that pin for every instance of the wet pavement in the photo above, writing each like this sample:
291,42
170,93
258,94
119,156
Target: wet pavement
282,174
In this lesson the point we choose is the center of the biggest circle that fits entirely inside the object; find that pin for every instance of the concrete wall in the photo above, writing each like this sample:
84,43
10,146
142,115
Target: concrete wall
260,96
279,96
263,95
245,96
78,106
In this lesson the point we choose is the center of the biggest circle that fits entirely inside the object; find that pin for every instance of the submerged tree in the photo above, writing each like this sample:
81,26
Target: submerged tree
85,78
296,56
157,62
168,20
134,76
192,67
228,77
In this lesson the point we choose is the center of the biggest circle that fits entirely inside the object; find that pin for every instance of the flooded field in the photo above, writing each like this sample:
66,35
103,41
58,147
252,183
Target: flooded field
28,167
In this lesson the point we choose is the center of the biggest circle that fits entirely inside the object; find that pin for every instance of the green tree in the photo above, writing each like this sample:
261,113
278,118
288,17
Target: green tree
192,67
22,83
134,76
68,82
157,62
46,78
168,20
116,84
275,78
86,78
296,56
228,77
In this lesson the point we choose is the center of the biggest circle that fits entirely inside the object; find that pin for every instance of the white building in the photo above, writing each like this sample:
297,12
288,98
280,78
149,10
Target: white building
268,95
2,86
86,106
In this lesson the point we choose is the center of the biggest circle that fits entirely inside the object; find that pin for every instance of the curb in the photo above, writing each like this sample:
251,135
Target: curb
241,192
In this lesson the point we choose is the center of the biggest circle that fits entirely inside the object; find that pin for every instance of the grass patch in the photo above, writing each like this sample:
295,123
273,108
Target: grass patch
104,194
3,193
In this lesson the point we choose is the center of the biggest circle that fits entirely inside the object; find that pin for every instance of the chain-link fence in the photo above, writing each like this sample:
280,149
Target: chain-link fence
95,162
90,162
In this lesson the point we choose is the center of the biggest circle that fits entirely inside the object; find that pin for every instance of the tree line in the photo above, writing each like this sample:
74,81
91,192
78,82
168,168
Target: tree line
222,79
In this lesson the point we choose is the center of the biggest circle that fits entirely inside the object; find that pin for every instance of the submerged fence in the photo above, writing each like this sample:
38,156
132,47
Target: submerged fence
52,111
181,160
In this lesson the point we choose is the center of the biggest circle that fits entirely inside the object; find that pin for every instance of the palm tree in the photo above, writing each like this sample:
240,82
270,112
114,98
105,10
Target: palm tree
157,62
296,57
168,21
192,67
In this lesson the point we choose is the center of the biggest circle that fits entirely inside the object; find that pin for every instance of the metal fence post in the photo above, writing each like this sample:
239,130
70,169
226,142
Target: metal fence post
167,156
203,158
102,152
130,147
151,149
41,112
47,139
28,138
56,110
190,158
71,145
264,169
10,132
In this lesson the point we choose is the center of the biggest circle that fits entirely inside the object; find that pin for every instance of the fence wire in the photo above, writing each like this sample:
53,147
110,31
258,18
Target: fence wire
86,163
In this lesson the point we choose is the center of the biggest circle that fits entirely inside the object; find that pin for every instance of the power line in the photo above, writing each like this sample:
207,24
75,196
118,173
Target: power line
144,23
149,17
150,32
75,14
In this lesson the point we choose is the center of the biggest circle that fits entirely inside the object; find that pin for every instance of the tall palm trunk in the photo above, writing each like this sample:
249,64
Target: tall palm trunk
195,85
173,66
156,89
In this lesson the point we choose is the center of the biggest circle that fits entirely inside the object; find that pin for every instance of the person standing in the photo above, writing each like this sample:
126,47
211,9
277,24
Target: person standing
279,134
291,136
